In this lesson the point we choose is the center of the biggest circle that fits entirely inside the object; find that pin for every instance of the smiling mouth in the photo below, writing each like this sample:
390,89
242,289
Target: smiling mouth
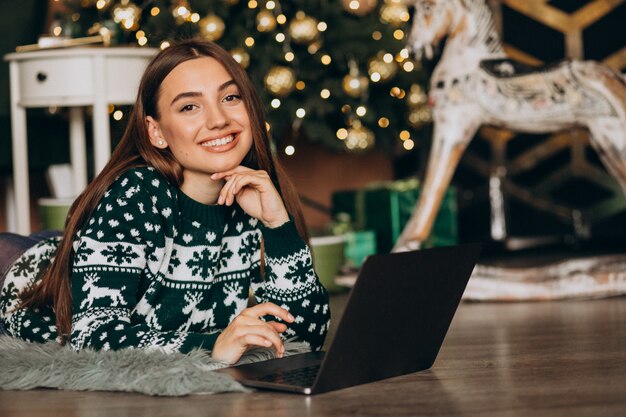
219,142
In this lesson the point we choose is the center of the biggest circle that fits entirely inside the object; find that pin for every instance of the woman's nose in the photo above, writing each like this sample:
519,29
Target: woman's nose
216,118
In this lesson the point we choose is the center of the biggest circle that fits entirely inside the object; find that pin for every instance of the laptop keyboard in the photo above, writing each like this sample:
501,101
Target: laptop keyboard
301,377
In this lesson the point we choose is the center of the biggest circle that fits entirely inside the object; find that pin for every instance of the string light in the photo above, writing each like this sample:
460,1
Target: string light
195,17
383,122
300,85
325,93
322,26
275,103
280,37
249,42
342,134
404,135
270,5
252,4
408,144
289,56
408,66
281,18
290,150
326,59
397,92
398,34
376,35
164,44
388,58
118,114
375,76
300,113
361,110
155,11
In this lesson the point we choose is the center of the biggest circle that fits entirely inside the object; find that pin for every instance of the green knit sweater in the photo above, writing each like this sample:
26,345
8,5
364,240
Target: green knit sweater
154,269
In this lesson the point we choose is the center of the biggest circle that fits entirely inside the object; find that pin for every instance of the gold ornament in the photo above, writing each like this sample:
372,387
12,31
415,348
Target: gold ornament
127,14
280,81
359,7
354,84
359,137
416,97
395,14
181,11
382,64
265,21
99,4
212,27
419,116
303,29
241,56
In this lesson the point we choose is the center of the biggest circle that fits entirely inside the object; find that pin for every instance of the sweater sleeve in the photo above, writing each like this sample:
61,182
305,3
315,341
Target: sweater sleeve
123,239
290,282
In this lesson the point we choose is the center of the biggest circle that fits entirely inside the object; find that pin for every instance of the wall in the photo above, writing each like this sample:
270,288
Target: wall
317,172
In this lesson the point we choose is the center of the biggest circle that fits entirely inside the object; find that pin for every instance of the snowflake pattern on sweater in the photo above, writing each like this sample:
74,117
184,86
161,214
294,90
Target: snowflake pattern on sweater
154,269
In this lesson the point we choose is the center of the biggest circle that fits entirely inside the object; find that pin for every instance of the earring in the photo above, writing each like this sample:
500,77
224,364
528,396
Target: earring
160,143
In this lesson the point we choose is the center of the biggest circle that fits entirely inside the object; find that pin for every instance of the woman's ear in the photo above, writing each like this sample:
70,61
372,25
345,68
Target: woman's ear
154,132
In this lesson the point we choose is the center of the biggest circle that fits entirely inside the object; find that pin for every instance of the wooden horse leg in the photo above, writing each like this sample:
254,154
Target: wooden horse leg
608,137
449,142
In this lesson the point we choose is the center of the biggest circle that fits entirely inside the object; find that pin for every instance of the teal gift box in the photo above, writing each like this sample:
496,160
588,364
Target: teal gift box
385,207
359,245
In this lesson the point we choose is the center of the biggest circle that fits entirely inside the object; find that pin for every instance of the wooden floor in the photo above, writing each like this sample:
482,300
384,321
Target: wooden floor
526,359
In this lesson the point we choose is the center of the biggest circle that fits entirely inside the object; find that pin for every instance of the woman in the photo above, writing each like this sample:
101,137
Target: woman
191,212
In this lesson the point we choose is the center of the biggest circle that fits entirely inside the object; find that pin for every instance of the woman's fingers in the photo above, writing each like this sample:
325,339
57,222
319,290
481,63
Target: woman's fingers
236,170
279,327
247,330
234,184
268,333
268,309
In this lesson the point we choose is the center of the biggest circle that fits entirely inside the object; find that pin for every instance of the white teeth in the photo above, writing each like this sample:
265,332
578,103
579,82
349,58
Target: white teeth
219,142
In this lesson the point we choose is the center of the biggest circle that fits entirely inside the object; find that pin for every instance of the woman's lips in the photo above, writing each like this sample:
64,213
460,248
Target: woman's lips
221,148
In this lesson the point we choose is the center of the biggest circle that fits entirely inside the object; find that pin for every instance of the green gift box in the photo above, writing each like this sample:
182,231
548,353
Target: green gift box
385,208
359,245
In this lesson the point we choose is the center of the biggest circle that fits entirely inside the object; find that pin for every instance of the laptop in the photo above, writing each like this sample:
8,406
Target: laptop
394,323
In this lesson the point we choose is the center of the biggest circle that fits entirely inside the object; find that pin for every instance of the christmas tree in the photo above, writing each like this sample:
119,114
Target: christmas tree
333,71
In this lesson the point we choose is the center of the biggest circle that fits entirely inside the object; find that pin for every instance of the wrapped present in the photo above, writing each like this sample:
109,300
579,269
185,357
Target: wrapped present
359,245
385,208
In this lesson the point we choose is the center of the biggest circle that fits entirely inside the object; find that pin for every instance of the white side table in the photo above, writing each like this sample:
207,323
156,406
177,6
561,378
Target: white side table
74,77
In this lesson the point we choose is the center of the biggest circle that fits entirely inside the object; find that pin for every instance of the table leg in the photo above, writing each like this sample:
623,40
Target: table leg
20,157
77,150
101,128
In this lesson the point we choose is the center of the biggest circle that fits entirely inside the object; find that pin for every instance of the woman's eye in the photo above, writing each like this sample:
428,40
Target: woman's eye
188,107
232,97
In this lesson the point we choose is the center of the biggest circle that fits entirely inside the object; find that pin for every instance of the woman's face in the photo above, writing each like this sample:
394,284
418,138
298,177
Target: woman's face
203,119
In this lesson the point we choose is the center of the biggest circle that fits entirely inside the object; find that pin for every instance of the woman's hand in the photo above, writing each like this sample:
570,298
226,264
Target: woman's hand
255,194
247,330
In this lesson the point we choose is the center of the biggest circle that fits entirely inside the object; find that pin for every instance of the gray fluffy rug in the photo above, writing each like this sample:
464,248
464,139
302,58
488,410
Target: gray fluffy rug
25,366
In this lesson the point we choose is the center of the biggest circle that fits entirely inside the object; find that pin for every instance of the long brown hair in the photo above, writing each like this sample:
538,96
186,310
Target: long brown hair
134,149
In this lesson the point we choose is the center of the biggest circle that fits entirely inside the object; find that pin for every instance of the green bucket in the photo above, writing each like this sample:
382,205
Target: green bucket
328,258
53,211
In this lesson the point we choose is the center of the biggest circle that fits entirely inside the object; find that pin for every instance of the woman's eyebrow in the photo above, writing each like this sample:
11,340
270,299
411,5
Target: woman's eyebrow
226,85
187,94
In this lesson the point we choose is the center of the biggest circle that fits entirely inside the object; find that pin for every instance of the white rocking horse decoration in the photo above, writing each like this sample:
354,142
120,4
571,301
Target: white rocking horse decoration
475,84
